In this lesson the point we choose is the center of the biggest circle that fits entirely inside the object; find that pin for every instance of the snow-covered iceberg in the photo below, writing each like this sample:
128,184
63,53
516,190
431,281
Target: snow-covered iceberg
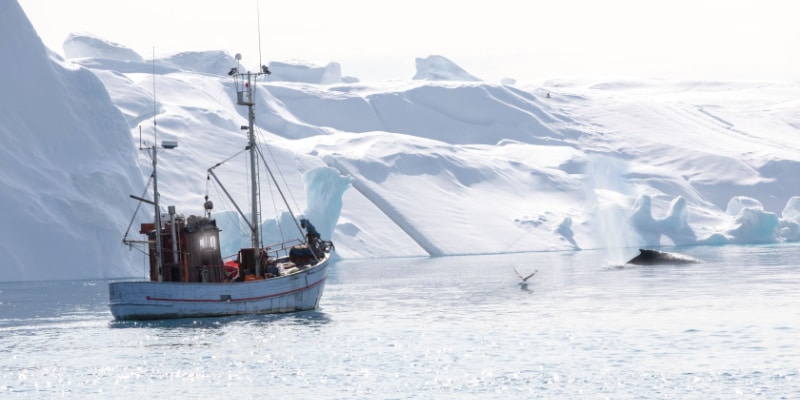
442,164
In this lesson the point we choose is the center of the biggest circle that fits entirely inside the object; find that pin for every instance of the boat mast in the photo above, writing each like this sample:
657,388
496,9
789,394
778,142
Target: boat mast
167,144
251,144
159,262
245,96
157,219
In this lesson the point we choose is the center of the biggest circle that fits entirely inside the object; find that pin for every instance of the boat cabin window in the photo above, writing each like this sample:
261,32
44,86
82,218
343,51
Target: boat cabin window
208,242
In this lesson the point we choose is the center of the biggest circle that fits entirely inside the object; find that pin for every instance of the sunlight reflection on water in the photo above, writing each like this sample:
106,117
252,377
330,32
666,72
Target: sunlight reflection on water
455,327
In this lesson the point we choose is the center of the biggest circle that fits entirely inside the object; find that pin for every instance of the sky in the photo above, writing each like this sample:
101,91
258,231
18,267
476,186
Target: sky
738,39
436,167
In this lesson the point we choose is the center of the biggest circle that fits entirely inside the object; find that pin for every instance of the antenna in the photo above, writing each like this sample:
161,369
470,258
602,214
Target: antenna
258,23
155,133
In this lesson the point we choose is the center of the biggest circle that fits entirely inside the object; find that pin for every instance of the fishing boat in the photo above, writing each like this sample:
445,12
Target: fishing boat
188,275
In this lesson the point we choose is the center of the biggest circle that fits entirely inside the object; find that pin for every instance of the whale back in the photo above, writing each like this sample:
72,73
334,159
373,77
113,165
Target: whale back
655,257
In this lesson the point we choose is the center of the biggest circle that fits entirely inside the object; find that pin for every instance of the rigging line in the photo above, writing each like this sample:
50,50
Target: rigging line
277,166
228,159
208,184
138,205
224,203
140,249
289,207
148,156
275,210
221,198
271,192
278,187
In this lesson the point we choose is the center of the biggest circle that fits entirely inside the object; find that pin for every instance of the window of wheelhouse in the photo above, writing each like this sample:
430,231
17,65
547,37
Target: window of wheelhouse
207,241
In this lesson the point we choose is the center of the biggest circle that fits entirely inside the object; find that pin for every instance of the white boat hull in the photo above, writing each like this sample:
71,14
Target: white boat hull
141,300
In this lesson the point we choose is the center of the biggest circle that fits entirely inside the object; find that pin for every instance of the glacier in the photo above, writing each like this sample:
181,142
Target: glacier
440,164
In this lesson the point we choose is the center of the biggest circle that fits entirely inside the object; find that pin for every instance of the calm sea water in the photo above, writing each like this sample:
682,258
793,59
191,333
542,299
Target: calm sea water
455,327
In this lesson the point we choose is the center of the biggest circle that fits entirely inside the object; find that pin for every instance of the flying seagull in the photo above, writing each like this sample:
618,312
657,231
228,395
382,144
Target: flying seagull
525,279
524,284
